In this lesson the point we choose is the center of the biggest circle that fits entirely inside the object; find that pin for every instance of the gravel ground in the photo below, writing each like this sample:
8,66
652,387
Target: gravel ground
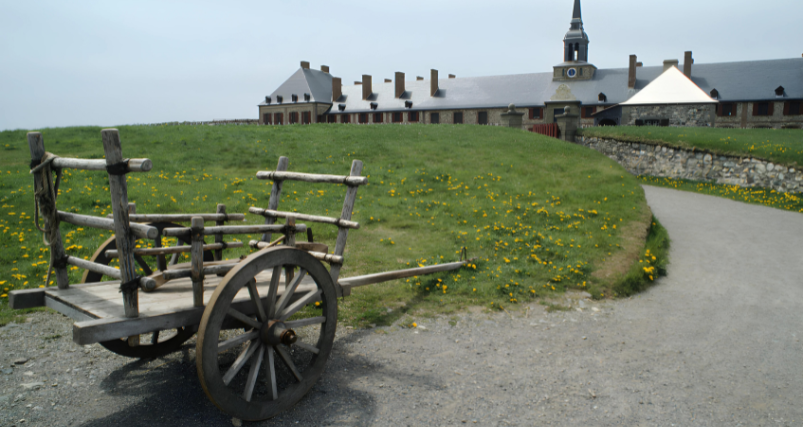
716,342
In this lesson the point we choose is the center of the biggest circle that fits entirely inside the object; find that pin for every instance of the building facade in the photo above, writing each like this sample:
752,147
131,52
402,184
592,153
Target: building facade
750,94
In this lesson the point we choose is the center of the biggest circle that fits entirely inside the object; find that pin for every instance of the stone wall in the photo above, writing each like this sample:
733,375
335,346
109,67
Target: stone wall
678,115
672,162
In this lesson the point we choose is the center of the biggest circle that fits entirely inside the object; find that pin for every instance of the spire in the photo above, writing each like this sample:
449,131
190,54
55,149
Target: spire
576,40
577,14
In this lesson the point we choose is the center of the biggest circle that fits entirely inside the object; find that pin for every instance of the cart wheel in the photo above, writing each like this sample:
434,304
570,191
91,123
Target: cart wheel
155,344
285,337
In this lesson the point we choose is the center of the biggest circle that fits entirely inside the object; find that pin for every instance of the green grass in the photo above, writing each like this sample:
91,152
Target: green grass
754,195
540,214
783,146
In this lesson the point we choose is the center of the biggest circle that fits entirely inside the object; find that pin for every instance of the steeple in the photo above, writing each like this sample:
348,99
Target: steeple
576,40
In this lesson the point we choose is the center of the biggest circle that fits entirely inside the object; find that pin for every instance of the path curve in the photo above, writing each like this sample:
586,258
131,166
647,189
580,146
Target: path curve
716,342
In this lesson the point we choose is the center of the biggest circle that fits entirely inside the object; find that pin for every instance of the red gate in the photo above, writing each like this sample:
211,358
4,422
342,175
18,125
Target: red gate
550,129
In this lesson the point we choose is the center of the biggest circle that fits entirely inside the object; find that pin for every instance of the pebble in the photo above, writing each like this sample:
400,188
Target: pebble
7,371
28,373
29,386
236,422
20,361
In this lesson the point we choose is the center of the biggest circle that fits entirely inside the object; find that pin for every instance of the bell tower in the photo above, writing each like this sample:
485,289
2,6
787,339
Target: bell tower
575,64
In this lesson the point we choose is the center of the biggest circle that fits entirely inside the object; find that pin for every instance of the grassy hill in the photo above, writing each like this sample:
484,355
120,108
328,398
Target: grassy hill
784,146
542,215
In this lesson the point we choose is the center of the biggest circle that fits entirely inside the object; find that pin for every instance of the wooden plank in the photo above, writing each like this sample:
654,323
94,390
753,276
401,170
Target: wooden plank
275,195
232,229
26,298
221,210
122,231
331,259
304,217
189,272
67,310
185,217
369,279
43,182
134,165
351,180
93,266
140,230
345,214
197,260
112,253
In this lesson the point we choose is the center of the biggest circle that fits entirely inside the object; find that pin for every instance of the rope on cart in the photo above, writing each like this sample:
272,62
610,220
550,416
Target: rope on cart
119,168
47,193
131,285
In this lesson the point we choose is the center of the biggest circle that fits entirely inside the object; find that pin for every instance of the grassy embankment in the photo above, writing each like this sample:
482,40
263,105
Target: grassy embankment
543,216
783,146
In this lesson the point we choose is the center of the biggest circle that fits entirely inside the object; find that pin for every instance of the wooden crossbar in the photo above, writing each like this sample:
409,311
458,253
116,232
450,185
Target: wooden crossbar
113,253
134,165
232,229
304,217
312,177
183,217
139,230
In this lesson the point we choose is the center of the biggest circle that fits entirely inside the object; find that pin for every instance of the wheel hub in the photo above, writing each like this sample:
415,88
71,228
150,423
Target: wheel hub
275,332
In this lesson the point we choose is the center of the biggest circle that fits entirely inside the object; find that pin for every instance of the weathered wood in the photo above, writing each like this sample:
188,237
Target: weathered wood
313,247
134,165
26,298
304,217
197,260
232,229
140,230
122,230
331,259
289,240
94,266
258,244
43,183
275,195
184,217
345,214
112,253
161,260
67,310
188,272
369,279
312,177
221,210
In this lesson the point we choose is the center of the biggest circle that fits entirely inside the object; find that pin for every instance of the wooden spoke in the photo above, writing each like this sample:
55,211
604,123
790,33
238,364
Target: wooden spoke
289,290
252,374
307,347
273,290
305,322
240,361
244,318
270,370
254,292
144,265
298,305
288,362
155,338
225,345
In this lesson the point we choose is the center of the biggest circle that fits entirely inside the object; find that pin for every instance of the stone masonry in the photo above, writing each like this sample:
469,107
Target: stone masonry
678,115
672,162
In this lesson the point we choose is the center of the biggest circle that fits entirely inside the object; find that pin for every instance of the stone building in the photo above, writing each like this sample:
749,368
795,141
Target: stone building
747,94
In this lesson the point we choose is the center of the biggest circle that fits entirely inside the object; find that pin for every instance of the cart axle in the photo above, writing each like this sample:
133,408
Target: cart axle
275,332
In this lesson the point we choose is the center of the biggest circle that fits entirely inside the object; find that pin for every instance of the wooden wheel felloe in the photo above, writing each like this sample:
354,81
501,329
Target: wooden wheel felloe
277,313
157,343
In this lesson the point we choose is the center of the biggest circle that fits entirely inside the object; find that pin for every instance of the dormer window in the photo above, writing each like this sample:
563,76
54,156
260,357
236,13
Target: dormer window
603,97
279,99
341,107
306,97
294,97
779,91
714,94
408,104
374,105
267,100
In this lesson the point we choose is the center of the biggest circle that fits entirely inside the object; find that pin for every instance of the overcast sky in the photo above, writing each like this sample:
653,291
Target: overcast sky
67,63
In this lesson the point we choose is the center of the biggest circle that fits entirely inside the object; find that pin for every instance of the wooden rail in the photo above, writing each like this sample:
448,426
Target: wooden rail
304,217
369,279
312,177
113,253
106,270
134,165
232,229
140,230
183,217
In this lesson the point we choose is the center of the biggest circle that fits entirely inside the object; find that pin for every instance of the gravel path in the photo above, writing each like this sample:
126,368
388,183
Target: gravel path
716,342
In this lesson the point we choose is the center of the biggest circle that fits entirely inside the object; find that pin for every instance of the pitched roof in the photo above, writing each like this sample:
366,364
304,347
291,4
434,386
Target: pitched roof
316,83
671,87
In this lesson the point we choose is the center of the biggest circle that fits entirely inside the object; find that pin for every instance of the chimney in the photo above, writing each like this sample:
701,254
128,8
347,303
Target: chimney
451,76
388,81
631,73
337,88
419,78
357,83
399,84
305,65
433,82
366,87
325,68
639,64
669,63
687,61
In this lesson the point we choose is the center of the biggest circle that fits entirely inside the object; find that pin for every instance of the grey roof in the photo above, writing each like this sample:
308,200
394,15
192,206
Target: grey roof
735,81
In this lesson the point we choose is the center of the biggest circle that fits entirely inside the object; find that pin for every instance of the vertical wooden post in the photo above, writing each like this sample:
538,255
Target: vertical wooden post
345,214
43,181
161,260
275,194
221,209
197,261
122,231
289,240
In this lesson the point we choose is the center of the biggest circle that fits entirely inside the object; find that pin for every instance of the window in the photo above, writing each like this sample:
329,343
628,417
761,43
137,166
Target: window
345,118
331,118
363,118
714,94
294,97
306,118
587,112
558,111
412,116
397,117
435,118
482,118
727,109
266,119
278,118
791,108
458,118
602,97
580,71
378,117
762,109
293,117
536,113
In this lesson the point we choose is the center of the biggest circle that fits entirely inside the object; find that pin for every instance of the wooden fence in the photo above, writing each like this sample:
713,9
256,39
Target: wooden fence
550,129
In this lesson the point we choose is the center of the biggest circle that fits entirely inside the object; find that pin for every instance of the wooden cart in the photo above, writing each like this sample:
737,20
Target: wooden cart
278,304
